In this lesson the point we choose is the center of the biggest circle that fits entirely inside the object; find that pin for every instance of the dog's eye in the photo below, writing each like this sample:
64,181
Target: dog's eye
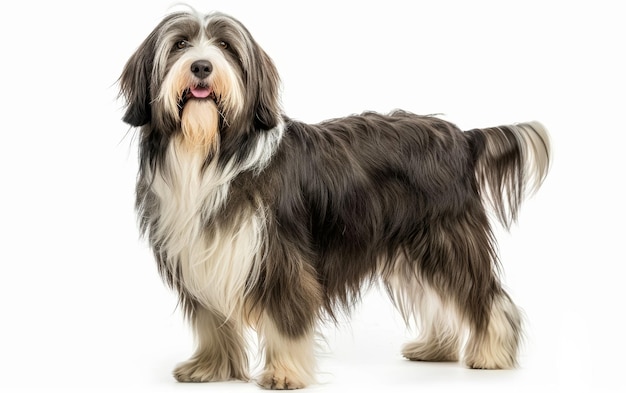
182,44
224,45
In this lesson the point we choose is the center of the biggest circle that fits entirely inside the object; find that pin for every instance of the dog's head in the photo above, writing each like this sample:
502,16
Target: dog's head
202,75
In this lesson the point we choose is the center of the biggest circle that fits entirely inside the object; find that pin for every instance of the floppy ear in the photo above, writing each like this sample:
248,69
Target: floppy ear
135,83
267,108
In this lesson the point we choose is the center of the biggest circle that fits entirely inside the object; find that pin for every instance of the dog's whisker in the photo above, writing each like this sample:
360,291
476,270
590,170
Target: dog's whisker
223,116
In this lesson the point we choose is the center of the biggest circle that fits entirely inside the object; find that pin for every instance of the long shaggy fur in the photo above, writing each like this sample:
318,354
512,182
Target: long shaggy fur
259,220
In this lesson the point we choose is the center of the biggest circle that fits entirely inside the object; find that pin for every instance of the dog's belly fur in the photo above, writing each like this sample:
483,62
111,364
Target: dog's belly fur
210,263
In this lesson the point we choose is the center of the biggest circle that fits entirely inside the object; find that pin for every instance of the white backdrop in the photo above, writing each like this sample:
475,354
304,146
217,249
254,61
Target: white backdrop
82,307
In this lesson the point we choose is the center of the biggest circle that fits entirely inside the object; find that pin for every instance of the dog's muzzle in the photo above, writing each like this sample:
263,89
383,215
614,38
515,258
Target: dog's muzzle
201,90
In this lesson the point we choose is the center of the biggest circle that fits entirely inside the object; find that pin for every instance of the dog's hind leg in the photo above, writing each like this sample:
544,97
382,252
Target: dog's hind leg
470,279
437,320
492,344
453,264
495,345
440,334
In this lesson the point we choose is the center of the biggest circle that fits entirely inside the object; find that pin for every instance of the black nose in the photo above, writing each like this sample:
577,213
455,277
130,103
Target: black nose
201,68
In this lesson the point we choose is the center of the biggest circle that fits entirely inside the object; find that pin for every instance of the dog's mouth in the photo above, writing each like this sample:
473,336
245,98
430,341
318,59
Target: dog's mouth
198,92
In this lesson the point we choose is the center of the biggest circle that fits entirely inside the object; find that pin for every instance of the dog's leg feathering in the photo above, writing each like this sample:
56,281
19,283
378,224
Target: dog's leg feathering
447,304
440,337
220,353
496,346
289,361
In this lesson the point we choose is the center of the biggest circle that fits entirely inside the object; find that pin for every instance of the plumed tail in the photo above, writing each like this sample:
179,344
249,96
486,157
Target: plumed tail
511,163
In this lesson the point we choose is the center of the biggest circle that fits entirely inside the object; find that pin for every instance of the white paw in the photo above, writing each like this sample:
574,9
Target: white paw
201,370
280,379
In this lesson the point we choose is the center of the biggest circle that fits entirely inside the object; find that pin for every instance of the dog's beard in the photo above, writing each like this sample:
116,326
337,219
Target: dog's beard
200,125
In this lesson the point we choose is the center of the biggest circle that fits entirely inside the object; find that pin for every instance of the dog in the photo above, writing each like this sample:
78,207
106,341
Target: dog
260,221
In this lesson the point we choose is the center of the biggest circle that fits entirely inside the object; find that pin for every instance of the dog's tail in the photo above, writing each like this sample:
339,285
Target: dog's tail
511,162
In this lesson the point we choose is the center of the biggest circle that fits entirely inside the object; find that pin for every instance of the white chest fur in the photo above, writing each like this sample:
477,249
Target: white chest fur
213,261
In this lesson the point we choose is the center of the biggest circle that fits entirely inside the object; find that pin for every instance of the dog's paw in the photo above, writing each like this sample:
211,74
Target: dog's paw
199,370
280,380
430,352
195,371
491,362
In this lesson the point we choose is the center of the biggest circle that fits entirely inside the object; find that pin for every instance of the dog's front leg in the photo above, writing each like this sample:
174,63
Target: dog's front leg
220,354
289,360
291,306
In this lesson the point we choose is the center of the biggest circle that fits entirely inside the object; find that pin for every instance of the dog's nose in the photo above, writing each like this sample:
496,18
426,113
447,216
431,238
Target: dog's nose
201,68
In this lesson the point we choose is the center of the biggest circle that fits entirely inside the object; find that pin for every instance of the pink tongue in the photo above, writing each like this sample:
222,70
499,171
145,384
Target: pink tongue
200,92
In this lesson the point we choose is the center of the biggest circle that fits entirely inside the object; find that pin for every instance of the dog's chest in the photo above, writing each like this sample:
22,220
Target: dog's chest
211,257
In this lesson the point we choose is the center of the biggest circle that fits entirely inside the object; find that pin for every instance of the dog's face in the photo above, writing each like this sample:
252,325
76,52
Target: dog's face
202,75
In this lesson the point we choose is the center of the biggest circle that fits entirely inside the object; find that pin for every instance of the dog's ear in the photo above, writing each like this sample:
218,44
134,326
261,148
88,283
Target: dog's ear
135,82
268,110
